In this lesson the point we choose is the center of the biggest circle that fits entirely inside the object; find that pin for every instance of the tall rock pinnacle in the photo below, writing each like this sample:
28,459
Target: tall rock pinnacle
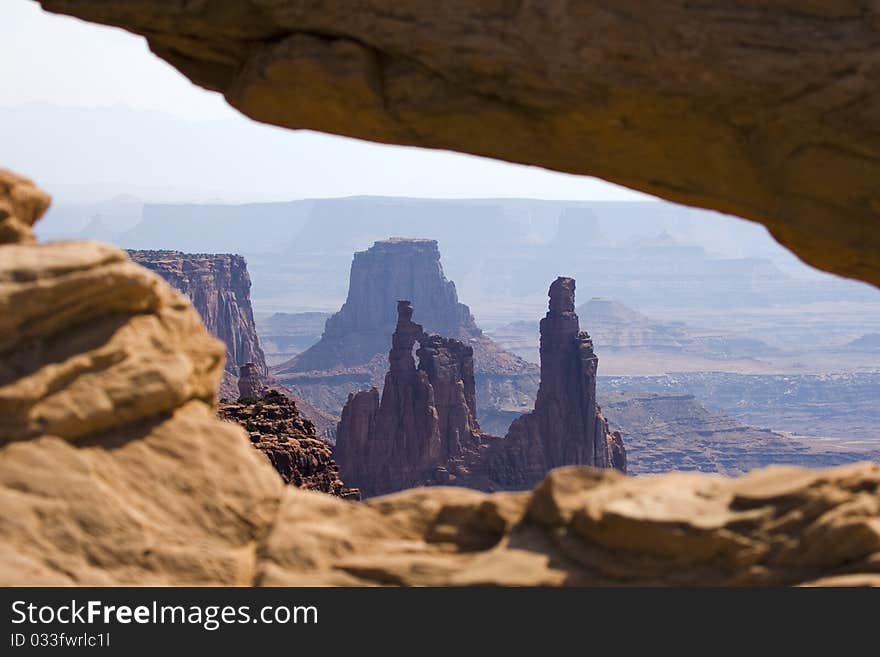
566,421
391,269
351,352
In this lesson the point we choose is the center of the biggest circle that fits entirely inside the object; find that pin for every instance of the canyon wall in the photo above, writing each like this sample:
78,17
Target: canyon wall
219,287
351,352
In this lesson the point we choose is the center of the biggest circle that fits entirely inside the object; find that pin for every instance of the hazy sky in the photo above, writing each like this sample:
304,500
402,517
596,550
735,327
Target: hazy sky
47,58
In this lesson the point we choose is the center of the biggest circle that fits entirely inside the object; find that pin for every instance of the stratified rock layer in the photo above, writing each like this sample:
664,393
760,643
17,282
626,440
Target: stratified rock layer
276,428
219,287
766,110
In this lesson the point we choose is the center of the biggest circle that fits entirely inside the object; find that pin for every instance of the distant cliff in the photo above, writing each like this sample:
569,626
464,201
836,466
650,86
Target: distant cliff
219,287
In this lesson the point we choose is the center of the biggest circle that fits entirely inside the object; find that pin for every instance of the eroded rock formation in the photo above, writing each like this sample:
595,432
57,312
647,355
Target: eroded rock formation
219,287
566,422
21,204
424,430
763,110
426,419
276,428
352,351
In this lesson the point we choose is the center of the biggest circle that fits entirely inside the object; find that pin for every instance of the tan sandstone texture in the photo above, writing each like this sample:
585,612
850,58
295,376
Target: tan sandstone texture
767,109
114,469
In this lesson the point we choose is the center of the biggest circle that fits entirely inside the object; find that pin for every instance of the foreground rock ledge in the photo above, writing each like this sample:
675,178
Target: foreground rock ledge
766,110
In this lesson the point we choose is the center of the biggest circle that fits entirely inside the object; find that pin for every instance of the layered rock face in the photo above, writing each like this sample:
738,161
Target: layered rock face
351,352
276,428
219,287
424,422
772,95
566,422
115,470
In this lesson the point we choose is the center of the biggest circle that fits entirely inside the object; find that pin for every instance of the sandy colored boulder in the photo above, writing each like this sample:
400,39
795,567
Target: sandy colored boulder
21,204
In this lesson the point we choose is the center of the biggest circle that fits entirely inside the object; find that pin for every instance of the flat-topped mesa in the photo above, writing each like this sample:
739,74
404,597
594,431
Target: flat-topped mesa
219,287
425,422
250,385
566,422
391,269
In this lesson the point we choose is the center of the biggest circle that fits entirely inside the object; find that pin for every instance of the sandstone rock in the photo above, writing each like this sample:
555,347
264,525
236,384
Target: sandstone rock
113,466
587,527
276,428
90,341
763,110
21,204
219,287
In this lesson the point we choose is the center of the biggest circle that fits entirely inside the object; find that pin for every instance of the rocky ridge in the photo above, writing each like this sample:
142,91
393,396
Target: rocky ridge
277,429
674,432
